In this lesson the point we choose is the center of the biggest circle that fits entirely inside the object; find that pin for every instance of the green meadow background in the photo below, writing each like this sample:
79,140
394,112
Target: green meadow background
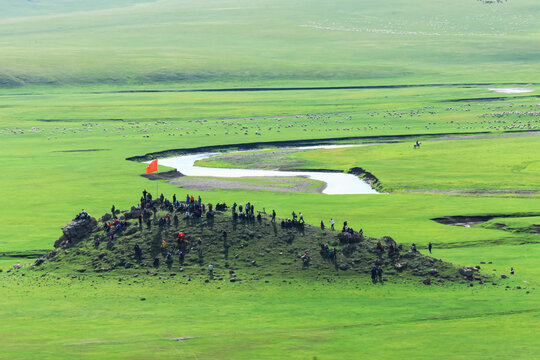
120,77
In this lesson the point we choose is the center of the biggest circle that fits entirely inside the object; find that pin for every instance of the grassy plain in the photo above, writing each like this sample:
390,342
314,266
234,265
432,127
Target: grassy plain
487,164
244,42
67,73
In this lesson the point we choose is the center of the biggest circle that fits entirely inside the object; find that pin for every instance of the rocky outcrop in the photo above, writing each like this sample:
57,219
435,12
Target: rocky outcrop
167,175
346,237
367,177
468,271
76,230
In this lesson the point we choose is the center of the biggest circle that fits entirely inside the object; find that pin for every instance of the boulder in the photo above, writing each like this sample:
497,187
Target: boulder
467,271
503,276
39,261
433,272
106,217
426,281
346,237
76,230
389,242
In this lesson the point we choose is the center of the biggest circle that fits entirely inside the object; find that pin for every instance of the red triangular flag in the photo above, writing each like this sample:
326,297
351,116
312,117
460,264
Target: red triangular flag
152,167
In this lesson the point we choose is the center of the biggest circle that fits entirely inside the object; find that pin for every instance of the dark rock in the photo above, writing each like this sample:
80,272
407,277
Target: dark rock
346,237
343,267
143,299
503,276
38,262
76,230
427,281
106,217
433,272
172,274
467,271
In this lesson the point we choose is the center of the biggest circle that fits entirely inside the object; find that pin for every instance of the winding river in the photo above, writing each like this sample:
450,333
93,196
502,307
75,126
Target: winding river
336,183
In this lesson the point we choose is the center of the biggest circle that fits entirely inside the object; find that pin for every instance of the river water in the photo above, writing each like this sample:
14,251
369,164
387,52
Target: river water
336,183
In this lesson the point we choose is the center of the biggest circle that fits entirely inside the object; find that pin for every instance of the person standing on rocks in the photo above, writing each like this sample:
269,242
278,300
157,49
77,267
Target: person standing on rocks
332,222
379,274
181,256
273,215
430,246
511,271
138,251
211,271
374,271
322,225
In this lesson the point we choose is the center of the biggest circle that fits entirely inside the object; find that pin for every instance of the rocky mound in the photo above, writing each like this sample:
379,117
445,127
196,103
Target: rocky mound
157,236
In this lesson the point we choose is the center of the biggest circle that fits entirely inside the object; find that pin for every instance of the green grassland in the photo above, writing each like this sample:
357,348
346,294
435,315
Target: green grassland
123,42
67,75
452,164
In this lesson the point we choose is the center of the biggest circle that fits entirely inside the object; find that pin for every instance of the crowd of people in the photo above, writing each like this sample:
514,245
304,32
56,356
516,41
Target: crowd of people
193,208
